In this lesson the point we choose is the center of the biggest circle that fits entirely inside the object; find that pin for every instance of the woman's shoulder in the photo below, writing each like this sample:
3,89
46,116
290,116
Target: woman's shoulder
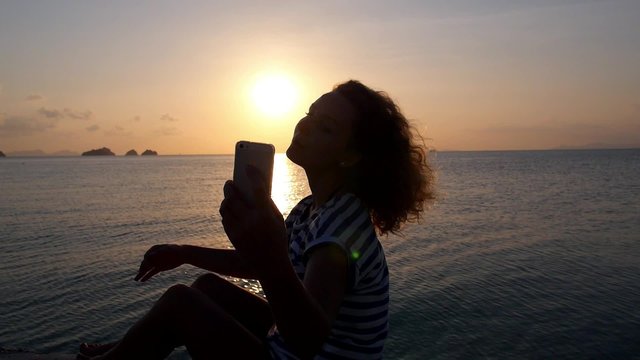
304,203
300,208
341,217
343,205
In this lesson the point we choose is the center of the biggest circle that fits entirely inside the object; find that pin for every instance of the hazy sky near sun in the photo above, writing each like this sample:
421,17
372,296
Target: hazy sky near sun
176,76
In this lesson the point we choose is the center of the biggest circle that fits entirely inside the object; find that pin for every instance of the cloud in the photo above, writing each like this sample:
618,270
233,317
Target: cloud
92,128
34,97
65,113
117,131
24,126
51,114
78,115
169,118
136,119
168,131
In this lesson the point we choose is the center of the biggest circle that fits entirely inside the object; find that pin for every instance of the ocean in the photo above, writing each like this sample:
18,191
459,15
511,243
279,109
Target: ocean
526,255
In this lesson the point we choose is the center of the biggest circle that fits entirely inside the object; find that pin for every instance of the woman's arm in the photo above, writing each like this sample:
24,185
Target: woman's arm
221,261
168,256
305,311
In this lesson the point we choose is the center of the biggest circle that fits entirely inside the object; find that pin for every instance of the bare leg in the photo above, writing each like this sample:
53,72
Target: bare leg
186,316
252,311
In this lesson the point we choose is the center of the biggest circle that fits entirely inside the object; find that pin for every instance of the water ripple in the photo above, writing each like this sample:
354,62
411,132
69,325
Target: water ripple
528,254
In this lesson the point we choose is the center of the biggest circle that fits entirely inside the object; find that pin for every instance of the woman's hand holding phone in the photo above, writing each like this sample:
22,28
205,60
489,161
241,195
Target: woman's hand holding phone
255,228
251,220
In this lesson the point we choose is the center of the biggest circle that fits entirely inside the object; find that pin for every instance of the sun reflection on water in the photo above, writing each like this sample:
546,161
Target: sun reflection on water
289,184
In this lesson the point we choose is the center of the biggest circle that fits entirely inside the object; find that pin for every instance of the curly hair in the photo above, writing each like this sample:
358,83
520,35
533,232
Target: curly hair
393,178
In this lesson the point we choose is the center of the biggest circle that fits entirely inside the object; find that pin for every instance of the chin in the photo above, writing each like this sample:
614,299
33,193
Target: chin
291,155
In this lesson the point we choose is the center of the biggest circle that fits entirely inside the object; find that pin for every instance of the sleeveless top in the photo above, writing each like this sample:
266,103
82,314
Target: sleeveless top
361,326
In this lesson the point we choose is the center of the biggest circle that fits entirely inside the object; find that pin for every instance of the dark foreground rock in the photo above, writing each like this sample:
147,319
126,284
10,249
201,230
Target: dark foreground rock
21,354
150,152
18,354
101,151
132,152
2,154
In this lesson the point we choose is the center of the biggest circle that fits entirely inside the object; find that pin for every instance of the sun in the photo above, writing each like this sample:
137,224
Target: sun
274,95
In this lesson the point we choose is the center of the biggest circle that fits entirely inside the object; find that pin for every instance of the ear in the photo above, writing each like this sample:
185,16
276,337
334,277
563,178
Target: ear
349,159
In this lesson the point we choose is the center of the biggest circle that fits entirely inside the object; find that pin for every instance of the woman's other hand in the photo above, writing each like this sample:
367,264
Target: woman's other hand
159,258
254,225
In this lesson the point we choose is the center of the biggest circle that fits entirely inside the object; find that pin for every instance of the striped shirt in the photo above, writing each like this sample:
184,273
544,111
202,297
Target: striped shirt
361,326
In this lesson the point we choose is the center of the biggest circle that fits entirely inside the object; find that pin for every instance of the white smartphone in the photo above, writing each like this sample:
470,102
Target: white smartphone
256,154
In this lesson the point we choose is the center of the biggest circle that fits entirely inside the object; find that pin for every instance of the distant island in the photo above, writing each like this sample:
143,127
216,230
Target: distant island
150,152
102,151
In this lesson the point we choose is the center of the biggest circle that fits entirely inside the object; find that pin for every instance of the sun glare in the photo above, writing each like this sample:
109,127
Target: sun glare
274,95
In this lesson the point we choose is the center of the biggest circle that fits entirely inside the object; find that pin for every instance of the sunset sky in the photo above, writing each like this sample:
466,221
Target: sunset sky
179,76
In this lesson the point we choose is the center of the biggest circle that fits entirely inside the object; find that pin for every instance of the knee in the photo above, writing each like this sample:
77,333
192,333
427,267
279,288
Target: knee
176,294
207,281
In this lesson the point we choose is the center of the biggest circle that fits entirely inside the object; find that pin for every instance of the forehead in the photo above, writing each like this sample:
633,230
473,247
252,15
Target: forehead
335,106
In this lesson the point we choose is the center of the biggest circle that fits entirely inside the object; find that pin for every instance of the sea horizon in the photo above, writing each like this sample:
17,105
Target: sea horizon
22,154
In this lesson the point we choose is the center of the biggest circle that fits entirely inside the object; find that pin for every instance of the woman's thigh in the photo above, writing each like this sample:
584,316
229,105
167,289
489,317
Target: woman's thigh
207,330
251,310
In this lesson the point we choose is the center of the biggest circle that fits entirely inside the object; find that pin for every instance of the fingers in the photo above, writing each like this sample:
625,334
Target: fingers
228,189
145,267
259,184
149,274
147,264
233,205
226,210
146,271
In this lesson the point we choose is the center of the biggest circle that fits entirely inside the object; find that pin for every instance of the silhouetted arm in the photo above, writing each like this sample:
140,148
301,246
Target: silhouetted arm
305,310
169,256
221,261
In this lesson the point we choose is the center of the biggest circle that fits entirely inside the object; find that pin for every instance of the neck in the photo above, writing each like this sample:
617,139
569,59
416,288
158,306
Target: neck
324,186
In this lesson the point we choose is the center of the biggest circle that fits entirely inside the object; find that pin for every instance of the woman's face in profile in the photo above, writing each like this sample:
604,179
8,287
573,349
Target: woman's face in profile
321,138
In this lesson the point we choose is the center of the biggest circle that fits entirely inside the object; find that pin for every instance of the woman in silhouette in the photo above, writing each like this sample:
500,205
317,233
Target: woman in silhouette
322,270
